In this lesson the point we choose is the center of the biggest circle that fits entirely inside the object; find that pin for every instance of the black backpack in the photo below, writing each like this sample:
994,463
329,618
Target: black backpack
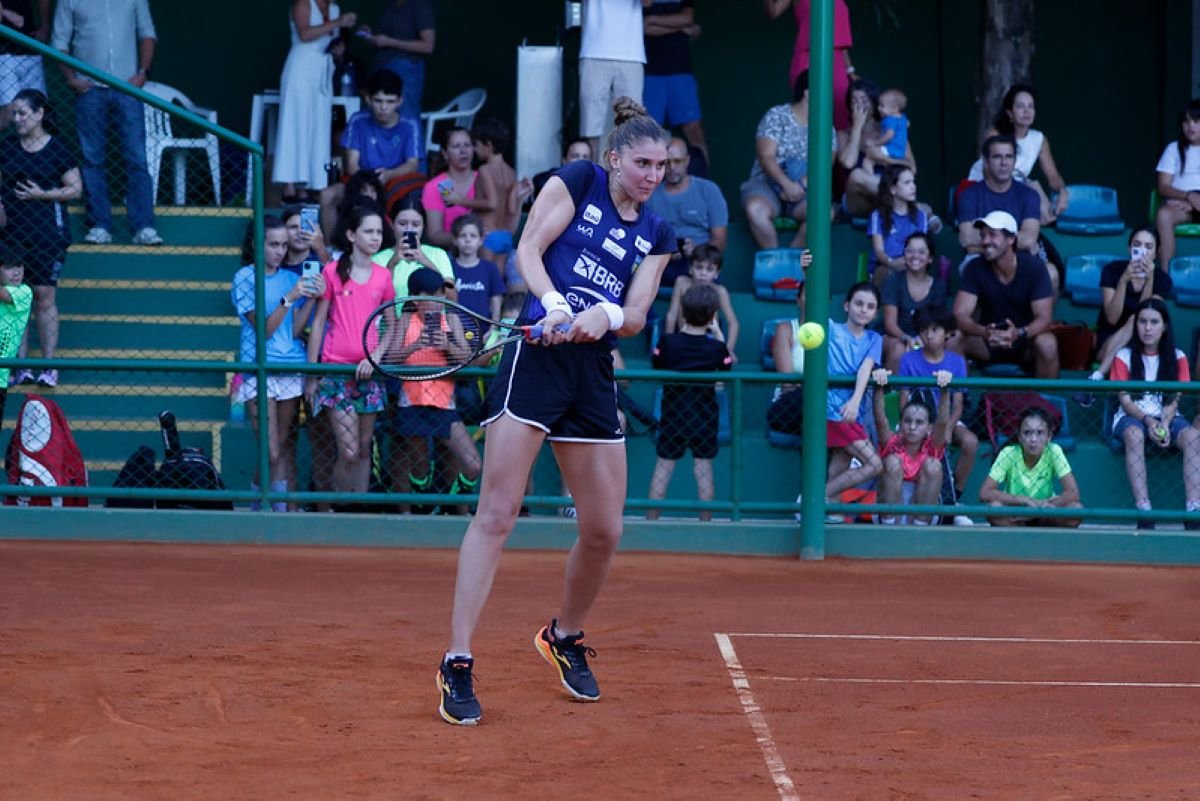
187,469
139,470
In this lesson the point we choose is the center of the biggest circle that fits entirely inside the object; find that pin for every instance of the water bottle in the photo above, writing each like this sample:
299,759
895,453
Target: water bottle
347,85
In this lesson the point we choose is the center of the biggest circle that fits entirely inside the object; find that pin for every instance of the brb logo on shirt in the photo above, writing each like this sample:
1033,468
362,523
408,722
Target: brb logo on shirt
591,269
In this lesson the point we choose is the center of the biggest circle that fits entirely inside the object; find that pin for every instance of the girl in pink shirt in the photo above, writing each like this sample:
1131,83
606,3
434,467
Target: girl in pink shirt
912,457
354,288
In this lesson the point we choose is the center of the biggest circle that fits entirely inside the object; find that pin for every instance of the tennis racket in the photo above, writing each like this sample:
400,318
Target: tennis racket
423,338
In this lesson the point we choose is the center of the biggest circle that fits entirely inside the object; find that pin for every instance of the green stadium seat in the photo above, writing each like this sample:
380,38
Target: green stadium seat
1186,229
777,274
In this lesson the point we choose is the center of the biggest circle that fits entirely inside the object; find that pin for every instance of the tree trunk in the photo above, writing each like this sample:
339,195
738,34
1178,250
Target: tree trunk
1007,54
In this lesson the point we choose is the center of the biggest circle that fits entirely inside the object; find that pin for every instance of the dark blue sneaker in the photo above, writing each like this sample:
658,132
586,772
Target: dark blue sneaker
569,657
459,704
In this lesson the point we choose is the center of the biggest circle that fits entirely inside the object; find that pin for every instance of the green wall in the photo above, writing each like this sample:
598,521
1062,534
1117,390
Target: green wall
1111,74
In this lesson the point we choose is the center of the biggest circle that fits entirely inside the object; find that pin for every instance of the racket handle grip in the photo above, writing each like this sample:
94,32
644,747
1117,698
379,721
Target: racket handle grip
536,331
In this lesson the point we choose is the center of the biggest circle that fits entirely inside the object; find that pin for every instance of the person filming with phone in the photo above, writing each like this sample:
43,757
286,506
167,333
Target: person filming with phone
1124,285
412,252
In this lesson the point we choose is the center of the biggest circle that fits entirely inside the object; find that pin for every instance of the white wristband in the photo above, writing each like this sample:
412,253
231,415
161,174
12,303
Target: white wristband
616,315
554,301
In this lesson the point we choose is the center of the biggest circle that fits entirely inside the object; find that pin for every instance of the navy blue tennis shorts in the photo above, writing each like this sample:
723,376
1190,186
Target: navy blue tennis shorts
566,390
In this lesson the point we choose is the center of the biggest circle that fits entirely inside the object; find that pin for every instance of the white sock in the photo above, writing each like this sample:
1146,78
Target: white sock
449,657
1143,506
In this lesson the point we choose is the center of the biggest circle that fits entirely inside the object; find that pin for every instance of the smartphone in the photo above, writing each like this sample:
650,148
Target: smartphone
308,218
446,187
1137,252
410,240
309,270
363,34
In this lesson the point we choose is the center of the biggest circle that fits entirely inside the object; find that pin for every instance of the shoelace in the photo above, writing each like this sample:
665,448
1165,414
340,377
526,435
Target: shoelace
461,681
577,654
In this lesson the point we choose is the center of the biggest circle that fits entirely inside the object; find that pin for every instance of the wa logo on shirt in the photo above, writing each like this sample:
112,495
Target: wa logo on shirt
597,274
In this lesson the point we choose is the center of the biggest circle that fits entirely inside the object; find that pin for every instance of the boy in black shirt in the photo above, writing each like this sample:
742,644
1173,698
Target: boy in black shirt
689,411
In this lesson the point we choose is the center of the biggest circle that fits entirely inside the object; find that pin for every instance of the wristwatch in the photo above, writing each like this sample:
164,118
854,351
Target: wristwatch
1022,332
285,303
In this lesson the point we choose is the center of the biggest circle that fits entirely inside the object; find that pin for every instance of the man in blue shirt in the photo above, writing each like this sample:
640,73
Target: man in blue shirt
117,37
379,140
693,206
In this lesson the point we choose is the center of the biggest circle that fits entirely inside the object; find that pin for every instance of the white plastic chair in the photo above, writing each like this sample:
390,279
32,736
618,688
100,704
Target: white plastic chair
461,110
160,138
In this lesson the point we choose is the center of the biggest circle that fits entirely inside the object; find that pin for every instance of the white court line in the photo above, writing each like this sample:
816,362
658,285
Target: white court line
931,638
1169,685
758,722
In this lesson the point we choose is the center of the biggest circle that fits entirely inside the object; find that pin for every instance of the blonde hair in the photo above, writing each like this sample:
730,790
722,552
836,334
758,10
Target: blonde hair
633,124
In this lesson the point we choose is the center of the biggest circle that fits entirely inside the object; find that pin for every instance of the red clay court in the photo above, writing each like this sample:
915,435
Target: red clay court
189,671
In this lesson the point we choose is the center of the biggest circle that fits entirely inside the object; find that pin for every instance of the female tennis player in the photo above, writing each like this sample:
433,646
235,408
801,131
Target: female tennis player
592,256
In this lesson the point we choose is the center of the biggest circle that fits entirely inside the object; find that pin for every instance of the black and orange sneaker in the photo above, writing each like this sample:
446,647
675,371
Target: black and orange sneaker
459,704
569,657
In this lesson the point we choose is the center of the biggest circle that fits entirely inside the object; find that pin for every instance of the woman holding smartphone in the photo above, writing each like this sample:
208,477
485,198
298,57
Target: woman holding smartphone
1124,285
411,251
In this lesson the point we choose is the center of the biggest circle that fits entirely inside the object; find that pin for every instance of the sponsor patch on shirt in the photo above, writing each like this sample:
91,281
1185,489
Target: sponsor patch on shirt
617,233
586,230
641,244
613,248
591,214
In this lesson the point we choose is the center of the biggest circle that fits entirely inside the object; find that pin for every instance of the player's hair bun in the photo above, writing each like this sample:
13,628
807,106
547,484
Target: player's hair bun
626,109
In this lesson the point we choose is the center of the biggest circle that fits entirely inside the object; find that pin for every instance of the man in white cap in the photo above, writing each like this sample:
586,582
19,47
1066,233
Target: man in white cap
1011,290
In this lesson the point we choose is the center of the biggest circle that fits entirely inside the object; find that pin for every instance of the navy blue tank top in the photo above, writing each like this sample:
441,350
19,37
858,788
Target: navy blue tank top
594,259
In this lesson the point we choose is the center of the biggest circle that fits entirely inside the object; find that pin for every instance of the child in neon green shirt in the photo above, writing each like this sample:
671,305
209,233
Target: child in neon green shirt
15,301
1027,471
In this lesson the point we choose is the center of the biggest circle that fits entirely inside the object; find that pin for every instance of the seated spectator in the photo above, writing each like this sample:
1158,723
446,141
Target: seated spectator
1179,180
498,185
786,412
574,150
1011,290
912,457
1024,475
478,281
1124,284
290,301
936,326
1151,417
778,180
705,270
412,251
693,206
1015,119
377,140
455,192
906,294
853,350
689,418
858,150
896,216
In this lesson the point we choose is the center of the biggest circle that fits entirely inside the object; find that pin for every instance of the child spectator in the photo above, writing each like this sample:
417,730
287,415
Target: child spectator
896,217
1151,417
498,186
912,458
1024,474
935,326
411,251
689,411
286,296
893,124
304,243
853,350
16,299
907,293
377,140
705,269
478,281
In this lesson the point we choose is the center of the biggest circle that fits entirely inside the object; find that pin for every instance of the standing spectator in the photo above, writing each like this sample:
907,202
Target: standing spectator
39,176
403,39
843,70
15,301
287,296
354,288
118,37
1179,180
303,243
18,68
1015,119
778,181
612,58
999,192
378,141
1152,356
455,192
477,281
906,294
693,206
1016,303
1024,474
896,217
670,87
498,185
305,98
690,418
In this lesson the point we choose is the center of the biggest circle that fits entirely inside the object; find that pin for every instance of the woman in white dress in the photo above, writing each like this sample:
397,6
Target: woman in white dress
302,147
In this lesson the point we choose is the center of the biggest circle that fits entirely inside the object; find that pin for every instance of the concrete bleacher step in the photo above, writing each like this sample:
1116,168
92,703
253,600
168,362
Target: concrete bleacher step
127,401
134,263
135,332
130,297
178,225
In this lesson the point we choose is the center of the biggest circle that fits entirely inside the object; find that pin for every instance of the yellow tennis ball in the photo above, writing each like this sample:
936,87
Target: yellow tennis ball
811,335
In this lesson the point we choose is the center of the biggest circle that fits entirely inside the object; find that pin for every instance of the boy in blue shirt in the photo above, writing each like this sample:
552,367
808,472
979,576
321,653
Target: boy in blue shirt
478,281
893,124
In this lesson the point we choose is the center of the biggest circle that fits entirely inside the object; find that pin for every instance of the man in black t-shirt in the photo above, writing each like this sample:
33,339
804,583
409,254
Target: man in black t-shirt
1005,304
669,91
